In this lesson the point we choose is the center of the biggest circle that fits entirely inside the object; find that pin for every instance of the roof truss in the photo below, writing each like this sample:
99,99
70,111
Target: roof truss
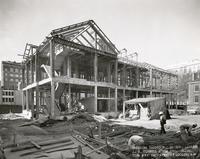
88,34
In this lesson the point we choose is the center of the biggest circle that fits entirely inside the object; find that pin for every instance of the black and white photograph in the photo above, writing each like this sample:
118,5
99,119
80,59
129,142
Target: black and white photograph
100,79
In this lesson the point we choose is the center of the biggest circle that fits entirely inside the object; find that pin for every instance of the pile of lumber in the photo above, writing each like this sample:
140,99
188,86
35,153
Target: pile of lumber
43,146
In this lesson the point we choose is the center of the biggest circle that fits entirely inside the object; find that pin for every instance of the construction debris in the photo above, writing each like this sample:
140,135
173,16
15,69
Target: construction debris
14,116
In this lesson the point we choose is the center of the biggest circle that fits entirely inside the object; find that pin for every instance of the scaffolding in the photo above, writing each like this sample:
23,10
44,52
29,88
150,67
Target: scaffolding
79,63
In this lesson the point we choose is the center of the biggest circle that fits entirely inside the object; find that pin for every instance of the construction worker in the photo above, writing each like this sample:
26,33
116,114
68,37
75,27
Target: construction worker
162,123
187,128
135,144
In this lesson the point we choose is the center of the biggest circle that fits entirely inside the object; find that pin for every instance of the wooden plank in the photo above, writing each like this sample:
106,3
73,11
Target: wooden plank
41,143
35,144
87,41
48,148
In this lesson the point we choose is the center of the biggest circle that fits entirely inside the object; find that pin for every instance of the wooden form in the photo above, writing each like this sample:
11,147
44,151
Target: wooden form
81,56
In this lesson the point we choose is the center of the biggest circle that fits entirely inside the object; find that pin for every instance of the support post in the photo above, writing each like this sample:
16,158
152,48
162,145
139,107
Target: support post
124,76
116,72
68,66
32,66
176,98
124,109
136,94
109,73
116,101
52,73
65,66
109,100
23,100
151,81
23,76
32,102
52,109
69,104
37,87
27,101
124,94
27,73
99,130
95,67
95,98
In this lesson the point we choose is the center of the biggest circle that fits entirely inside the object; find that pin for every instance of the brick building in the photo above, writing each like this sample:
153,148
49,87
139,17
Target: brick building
194,95
11,75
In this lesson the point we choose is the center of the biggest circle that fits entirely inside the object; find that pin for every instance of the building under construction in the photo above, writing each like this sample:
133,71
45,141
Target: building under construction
79,63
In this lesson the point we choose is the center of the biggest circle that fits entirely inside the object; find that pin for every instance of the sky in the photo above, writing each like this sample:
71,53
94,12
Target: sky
162,32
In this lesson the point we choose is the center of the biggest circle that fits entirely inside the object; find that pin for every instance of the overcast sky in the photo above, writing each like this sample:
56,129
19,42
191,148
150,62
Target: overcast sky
163,32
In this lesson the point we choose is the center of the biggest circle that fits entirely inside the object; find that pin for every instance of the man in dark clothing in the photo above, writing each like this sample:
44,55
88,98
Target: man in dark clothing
162,123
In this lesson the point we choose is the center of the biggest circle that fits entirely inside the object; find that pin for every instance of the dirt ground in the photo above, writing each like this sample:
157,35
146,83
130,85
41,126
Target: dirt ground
10,131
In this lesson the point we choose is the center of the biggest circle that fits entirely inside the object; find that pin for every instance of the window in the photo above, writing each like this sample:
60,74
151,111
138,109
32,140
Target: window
196,88
11,69
16,70
196,99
